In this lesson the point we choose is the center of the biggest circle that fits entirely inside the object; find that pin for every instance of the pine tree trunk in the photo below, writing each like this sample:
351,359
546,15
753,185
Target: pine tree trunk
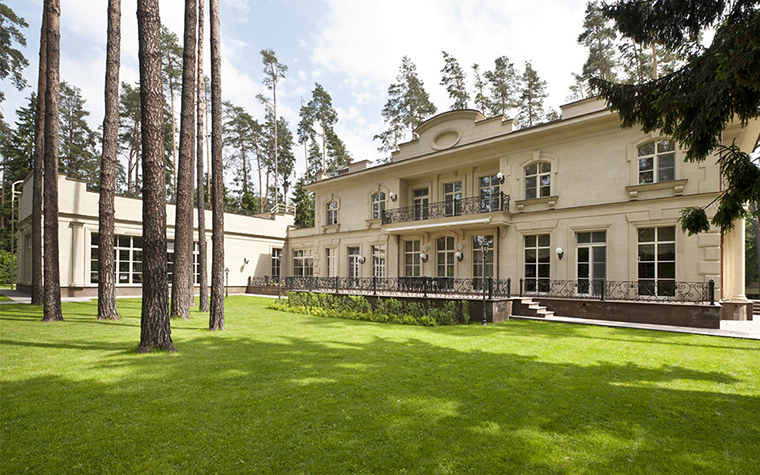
201,193
216,317
274,108
182,288
106,265
39,157
155,329
52,279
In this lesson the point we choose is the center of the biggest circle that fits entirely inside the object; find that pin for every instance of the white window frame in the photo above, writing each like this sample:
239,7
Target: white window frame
538,183
378,261
332,212
412,263
659,164
378,204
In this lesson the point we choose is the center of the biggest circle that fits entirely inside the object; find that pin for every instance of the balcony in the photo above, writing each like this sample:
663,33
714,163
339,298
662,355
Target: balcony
446,209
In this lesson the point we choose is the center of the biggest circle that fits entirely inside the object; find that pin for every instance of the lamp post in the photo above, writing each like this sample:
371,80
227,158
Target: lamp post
227,287
14,193
484,249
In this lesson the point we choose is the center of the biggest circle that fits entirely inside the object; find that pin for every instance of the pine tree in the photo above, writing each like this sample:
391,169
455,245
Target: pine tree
481,99
454,80
502,80
78,153
599,37
130,139
241,136
303,201
200,192
273,72
12,60
323,114
171,64
532,95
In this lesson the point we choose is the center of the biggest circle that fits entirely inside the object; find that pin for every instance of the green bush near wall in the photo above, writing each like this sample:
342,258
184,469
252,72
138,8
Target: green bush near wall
386,310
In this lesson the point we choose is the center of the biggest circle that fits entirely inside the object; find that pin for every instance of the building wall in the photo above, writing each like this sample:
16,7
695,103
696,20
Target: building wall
594,187
245,237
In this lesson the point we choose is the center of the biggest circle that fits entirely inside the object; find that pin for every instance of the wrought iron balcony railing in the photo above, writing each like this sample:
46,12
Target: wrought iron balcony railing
447,209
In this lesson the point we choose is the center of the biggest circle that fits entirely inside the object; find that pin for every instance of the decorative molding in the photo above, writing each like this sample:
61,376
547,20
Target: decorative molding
676,185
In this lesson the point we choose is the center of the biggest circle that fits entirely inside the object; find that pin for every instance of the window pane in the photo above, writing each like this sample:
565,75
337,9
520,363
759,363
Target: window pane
646,149
583,254
530,256
543,240
95,239
646,177
646,164
546,167
646,234
665,146
646,252
666,252
543,255
584,238
600,236
123,241
531,169
666,270
646,270
543,270
600,271
583,270
530,241
666,234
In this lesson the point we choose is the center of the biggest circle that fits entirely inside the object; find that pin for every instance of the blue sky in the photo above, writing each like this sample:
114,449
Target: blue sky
353,48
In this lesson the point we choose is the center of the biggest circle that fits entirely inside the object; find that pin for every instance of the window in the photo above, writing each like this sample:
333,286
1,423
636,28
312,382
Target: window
128,259
330,255
482,247
303,263
412,258
657,159
489,194
378,205
276,264
592,261
537,263
353,262
378,261
332,213
421,204
452,193
445,261
538,180
657,261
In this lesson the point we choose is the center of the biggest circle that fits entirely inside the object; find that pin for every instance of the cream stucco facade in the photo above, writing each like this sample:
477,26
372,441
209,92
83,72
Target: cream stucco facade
609,198
248,240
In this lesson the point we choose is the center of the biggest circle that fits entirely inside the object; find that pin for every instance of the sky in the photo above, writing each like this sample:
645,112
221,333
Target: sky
353,48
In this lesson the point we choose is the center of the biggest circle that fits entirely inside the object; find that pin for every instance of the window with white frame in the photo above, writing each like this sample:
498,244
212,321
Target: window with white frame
538,180
332,213
330,257
657,161
276,264
591,248
421,202
412,258
378,205
378,261
537,263
657,261
303,263
353,262
445,257
489,194
452,196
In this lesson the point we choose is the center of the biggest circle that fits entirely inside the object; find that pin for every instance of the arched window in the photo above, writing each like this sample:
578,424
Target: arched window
378,205
538,180
657,161
332,213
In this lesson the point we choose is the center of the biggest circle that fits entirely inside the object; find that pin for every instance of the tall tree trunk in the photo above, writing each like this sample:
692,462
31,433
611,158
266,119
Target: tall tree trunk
201,193
216,317
38,287
274,108
182,287
155,328
106,265
261,191
174,137
52,298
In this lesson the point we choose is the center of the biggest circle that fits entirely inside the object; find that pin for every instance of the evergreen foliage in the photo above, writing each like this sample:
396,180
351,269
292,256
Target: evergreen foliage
502,81
532,95
12,60
454,80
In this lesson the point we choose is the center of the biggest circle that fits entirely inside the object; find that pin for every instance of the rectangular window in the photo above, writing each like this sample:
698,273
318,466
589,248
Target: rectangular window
330,256
538,180
657,261
303,263
276,264
378,261
412,258
482,259
489,194
421,204
452,193
378,205
592,261
353,262
332,213
537,263
657,159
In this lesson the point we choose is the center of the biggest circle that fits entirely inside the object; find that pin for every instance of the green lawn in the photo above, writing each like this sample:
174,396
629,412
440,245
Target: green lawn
284,393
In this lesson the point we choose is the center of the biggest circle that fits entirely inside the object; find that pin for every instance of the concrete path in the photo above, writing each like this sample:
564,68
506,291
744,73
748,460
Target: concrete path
728,328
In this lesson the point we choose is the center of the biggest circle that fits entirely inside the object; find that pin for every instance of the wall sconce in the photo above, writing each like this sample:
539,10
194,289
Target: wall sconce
424,248
459,256
500,178
393,196
245,260
560,252
362,260
423,257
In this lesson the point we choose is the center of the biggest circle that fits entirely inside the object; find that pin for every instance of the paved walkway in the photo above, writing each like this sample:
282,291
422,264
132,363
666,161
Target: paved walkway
728,328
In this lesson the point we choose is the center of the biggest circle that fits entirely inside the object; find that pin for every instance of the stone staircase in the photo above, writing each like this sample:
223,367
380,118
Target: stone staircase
526,307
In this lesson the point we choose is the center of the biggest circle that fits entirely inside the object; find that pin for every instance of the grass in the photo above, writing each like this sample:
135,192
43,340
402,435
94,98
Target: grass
286,393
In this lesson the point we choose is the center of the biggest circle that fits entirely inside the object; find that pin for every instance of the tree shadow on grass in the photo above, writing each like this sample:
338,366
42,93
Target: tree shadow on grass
346,400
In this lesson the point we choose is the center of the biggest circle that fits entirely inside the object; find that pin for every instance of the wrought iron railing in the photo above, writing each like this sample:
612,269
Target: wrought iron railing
446,209
402,286
639,291
265,281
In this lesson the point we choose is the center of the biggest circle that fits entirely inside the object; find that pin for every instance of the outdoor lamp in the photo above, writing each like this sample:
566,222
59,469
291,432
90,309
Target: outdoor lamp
500,178
227,287
560,252
460,256
393,196
423,257
362,260
245,260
